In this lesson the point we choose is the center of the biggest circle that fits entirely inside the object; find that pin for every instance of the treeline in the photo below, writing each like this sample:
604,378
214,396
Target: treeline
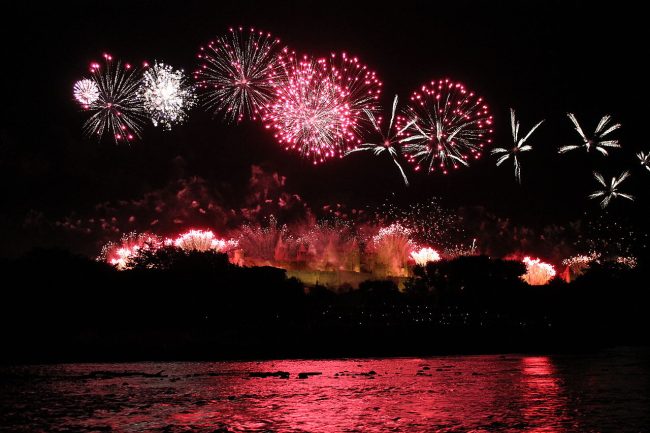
196,305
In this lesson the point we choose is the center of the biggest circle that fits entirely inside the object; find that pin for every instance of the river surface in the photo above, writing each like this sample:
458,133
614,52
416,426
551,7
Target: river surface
601,392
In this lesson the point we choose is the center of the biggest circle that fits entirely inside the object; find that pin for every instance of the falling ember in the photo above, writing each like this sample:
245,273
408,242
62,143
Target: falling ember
537,273
233,76
201,240
449,126
425,255
319,105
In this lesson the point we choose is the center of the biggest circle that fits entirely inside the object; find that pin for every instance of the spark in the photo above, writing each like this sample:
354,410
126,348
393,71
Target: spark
235,73
166,94
610,191
387,141
599,140
519,145
449,124
201,240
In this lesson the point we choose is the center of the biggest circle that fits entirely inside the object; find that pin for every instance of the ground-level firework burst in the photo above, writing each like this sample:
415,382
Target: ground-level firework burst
319,105
86,92
425,255
132,244
449,126
118,108
599,140
392,247
519,145
166,94
235,71
387,141
201,240
644,158
578,265
537,273
611,190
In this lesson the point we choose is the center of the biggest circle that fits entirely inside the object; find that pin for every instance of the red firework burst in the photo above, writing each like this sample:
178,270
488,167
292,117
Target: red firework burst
319,104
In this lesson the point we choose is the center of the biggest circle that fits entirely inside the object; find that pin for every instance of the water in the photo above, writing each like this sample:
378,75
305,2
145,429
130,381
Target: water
607,391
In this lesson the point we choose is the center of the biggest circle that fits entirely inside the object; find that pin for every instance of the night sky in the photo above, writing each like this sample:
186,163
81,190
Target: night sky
543,59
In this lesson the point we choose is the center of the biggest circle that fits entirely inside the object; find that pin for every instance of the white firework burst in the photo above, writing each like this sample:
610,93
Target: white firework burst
644,158
167,95
519,145
86,92
599,141
610,190
387,141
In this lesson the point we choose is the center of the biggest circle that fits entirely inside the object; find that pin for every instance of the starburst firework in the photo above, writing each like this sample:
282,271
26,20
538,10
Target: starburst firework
235,73
118,109
166,94
319,105
86,92
611,191
599,140
519,145
387,141
449,124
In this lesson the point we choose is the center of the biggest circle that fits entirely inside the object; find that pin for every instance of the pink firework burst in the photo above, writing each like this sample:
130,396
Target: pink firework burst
234,72
448,125
319,105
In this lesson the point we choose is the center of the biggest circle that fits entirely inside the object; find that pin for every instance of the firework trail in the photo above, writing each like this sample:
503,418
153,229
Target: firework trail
116,106
392,247
235,73
599,141
387,141
448,125
644,158
86,92
166,94
611,191
519,147
319,105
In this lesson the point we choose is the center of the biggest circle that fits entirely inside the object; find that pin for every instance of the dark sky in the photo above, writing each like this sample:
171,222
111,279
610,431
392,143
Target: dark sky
542,58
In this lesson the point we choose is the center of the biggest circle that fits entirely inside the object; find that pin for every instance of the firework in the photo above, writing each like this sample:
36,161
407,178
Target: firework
118,108
319,104
166,95
579,264
448,125
387,141
628,261
130,246
519,145
201,240
644,158
599,140
537,273
611,191
235,73
392,248
425,255
86,92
